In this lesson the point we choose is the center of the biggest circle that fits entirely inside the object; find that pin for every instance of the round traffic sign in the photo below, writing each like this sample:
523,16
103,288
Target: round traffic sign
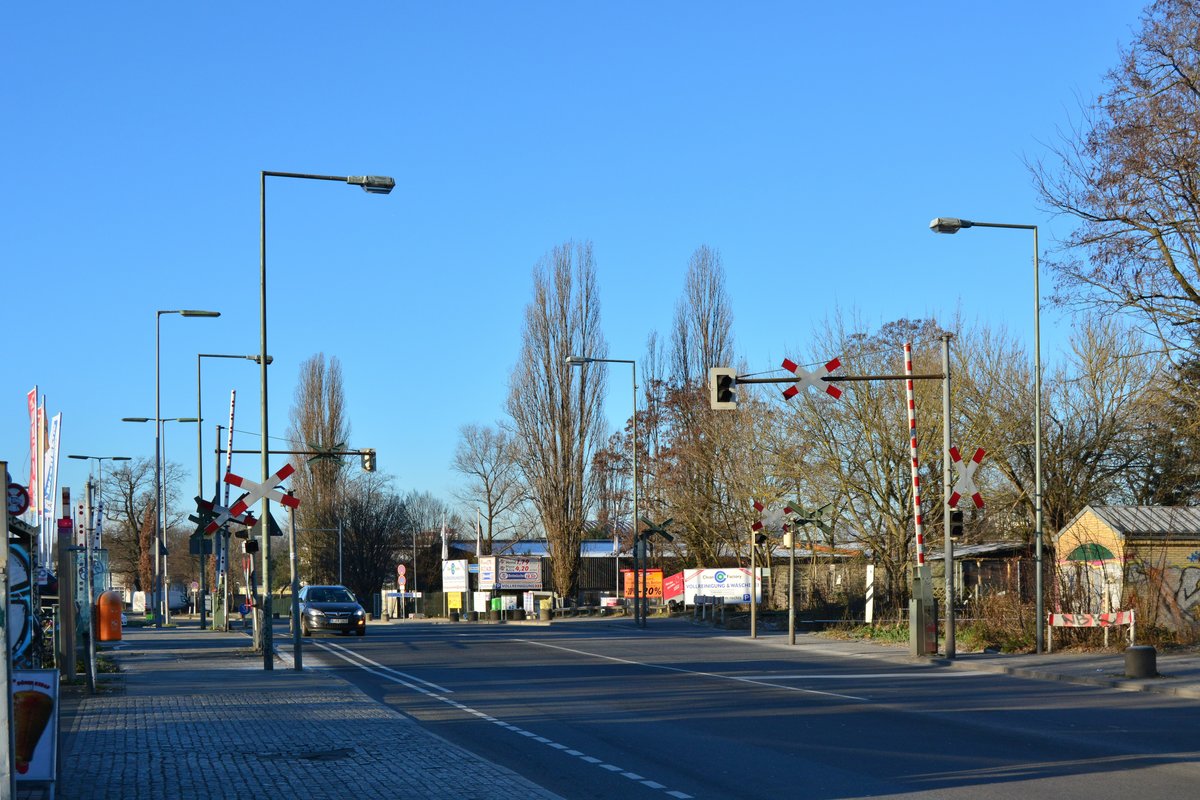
401,569
17,499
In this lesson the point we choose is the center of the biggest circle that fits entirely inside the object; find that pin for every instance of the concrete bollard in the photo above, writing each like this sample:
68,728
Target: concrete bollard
1141,661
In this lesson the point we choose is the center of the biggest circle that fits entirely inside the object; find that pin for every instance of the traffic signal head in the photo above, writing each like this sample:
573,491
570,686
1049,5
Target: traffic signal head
760,539
956,524
721,383
368,460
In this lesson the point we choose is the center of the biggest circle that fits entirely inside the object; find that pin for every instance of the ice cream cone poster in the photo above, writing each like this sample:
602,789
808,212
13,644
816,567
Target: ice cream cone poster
35,724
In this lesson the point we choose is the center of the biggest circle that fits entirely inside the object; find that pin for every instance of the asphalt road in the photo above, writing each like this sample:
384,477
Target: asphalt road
600,709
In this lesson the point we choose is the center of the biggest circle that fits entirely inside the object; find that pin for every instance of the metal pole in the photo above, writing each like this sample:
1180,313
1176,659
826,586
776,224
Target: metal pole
200,492
792,588
267,643
158,493
948,542
220,546
6,740
165,579
339,531
753,594
297,656
1037,446
633,367
91,600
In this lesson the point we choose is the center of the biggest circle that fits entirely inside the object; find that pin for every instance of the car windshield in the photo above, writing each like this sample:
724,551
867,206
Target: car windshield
331,594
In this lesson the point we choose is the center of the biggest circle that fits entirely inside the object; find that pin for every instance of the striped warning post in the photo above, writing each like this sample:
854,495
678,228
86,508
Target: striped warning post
912,446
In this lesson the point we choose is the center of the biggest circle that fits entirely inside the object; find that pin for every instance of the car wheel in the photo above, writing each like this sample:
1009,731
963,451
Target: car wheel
362,631
304,631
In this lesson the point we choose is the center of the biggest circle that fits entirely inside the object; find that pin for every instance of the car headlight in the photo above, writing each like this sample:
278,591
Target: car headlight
360,613
316,612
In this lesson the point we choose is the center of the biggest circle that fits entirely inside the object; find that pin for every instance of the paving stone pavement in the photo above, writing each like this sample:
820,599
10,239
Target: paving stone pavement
194,715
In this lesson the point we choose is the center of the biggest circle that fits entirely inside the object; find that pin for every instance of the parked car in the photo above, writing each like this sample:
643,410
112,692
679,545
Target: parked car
330,608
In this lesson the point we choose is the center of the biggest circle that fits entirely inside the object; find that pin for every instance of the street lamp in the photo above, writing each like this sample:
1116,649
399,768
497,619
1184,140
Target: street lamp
579,361
954,225
200,467
372,184
100,471
163,612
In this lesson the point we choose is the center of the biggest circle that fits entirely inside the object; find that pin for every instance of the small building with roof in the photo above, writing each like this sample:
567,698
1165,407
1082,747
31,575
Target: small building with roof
1111,558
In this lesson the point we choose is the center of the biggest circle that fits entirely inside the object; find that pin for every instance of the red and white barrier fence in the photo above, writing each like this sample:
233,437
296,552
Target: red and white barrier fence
1105,621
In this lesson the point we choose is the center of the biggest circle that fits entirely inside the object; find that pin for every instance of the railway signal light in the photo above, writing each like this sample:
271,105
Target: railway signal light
721,384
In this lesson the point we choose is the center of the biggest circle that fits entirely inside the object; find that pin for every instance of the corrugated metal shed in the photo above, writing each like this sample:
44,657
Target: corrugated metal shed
1150,521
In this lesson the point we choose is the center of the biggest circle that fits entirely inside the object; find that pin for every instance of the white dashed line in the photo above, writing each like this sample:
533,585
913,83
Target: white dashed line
412,682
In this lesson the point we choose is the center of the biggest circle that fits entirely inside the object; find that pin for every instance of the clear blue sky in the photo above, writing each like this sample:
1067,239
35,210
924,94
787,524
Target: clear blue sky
811,143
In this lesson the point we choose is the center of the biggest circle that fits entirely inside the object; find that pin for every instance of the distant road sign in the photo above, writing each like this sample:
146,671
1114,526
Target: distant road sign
18,499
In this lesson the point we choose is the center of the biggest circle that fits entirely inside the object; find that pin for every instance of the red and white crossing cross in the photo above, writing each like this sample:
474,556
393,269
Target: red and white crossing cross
769,518
812,379
218,515
259,491
965,485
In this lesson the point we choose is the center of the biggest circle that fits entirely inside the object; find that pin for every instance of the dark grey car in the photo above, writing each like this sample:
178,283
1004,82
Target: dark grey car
330,608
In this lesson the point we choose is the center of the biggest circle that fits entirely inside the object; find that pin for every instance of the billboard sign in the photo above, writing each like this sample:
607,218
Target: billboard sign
731,583
510,572
454,576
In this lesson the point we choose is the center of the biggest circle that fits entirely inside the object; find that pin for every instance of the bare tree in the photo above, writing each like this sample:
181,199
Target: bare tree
128,493
702,334
555,408
374,521
487,457
1128,175
319,422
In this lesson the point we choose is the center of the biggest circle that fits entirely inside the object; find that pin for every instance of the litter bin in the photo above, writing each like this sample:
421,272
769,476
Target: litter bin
109,606
544,612
518,614
454,616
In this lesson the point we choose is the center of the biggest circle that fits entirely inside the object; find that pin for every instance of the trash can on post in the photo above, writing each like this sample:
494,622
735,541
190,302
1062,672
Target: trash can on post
497,609
109,606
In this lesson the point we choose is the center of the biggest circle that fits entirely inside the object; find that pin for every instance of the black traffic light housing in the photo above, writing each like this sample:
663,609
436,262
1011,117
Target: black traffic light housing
721,384
956,524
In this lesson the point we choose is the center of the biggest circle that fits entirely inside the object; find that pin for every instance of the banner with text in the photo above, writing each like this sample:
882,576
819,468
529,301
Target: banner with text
510,572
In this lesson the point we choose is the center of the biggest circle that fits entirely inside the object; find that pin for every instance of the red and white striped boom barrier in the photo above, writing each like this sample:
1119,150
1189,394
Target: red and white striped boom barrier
1105,621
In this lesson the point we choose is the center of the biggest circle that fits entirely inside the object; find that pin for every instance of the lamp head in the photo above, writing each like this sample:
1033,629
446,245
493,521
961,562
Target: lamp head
949,224
373,184
192,312
577,361
135,419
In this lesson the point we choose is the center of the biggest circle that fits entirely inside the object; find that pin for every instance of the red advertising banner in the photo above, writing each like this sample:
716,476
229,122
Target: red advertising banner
673,586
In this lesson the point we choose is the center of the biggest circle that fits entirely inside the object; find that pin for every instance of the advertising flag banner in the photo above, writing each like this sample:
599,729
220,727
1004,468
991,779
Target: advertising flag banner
34,496
51,484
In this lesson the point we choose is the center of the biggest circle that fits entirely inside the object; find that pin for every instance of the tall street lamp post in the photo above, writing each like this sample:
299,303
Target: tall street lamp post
100,483
579,361
954,225
200,470
163,606
372,184
100,469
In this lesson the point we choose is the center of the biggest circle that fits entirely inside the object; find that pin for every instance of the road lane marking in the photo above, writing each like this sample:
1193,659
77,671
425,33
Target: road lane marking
853,676
735,678
345,654
411,682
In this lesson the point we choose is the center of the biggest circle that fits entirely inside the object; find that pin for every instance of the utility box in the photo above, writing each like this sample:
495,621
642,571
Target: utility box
922,617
